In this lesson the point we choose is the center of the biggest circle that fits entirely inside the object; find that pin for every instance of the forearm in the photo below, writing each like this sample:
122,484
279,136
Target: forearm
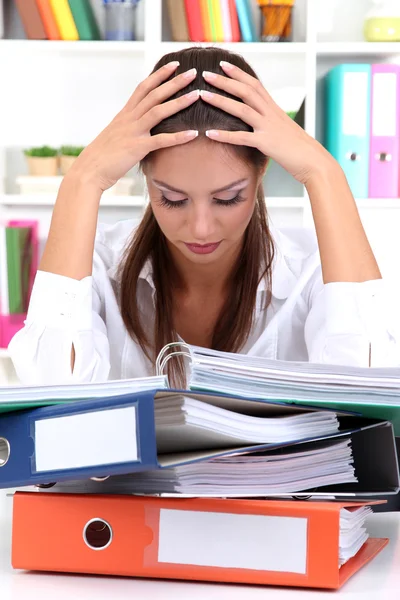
346,254
70,243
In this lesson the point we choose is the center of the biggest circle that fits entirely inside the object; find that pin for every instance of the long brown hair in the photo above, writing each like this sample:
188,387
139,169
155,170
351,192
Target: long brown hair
148,242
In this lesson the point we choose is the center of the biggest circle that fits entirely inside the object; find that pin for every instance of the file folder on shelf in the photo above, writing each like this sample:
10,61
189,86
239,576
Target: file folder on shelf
347,122
384,163
117,436
176,539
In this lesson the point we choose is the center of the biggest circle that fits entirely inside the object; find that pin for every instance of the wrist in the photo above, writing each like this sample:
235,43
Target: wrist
77,181
322,167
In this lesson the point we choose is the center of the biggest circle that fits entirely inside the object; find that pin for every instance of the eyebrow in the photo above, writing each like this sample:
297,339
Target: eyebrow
223,189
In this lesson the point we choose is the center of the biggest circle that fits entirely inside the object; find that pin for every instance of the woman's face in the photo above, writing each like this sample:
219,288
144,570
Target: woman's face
202,197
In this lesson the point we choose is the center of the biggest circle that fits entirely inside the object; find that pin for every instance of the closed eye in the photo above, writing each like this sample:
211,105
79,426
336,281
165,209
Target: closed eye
219,201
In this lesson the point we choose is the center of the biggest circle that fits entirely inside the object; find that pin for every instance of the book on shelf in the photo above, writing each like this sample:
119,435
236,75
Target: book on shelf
58,19
211,20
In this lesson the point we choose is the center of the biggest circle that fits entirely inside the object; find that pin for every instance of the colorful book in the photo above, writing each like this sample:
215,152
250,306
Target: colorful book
226,20
219,28
234,21
194,21
246,21
48,19
177,20
19,252
210,4
33,225
31,19
64,19
85,20
205,18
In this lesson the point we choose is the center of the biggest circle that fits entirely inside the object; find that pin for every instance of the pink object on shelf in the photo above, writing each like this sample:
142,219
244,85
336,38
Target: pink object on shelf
384,178
9,326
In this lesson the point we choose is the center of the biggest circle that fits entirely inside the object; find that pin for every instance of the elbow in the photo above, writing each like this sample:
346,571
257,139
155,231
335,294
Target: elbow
43,357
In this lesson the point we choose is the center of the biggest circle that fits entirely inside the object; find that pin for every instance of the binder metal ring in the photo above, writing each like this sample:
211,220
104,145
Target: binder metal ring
176,353
160,358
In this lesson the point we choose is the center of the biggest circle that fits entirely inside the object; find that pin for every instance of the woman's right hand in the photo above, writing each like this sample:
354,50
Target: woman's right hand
127,140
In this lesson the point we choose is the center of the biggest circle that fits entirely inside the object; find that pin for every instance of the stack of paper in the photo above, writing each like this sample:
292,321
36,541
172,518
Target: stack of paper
373,392
183,424
18,397
285,470
261,377
353,533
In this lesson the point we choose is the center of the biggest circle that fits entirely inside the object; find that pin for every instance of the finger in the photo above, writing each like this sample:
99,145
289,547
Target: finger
164,91
151,82
237,88
239,138
166,140
162,111
233,107
236,73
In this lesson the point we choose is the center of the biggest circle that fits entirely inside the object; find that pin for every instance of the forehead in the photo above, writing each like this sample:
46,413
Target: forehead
201,160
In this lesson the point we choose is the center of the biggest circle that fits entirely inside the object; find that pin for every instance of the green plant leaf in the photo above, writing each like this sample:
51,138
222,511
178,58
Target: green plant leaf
41,151
71,150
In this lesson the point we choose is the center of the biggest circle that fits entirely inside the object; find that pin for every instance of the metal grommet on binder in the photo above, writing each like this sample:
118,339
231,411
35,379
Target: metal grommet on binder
97,534
383,156
5,451
45,486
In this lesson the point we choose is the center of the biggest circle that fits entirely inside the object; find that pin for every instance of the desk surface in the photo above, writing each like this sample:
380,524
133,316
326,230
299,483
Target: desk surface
378,579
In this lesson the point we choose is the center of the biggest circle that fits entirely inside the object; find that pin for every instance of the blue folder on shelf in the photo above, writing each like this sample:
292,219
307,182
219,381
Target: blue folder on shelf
347,122
116,436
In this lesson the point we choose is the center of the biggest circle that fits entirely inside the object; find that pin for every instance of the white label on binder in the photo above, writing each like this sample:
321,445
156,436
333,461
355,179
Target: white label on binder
355,106
384,102
258,542
102,437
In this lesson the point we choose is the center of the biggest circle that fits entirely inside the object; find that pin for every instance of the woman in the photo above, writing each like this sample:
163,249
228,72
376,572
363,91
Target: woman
203,265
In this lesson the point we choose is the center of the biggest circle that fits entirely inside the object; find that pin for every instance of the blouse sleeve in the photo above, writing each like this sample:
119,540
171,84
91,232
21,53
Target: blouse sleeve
63,312
351,324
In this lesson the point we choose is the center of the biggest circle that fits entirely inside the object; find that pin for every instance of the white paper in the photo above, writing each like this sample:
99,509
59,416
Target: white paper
79,391
184,423
94,438
384,103
355,106
262,543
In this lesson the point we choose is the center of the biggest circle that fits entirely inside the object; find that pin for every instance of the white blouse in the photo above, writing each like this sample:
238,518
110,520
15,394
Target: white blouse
307,320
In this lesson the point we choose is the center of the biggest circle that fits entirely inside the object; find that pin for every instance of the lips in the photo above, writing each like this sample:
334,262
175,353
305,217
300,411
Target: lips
202,248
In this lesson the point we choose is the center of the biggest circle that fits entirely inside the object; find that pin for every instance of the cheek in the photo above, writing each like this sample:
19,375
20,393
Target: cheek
167,219
239,217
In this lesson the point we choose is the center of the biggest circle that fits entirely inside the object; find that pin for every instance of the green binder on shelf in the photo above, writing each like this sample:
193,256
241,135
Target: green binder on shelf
85,20
19,257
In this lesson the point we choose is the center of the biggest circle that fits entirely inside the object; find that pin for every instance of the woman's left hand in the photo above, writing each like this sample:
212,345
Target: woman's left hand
274,133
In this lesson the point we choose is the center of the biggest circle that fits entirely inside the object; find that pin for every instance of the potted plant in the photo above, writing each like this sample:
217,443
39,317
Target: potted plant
68,156
42,161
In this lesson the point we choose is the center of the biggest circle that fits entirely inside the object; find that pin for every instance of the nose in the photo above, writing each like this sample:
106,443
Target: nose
202,223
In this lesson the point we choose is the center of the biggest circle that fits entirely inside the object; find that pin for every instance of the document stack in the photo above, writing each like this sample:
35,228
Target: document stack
257,472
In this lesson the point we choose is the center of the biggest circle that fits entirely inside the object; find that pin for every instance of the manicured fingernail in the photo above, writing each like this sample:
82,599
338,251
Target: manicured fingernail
226,65
205,94
190,74
209,75
174,63
192,133
212,133
194,94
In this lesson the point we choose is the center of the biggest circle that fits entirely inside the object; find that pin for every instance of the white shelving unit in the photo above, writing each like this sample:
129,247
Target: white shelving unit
66,93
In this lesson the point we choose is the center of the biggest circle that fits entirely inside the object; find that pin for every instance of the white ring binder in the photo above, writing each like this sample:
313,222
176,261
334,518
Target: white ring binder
161,361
